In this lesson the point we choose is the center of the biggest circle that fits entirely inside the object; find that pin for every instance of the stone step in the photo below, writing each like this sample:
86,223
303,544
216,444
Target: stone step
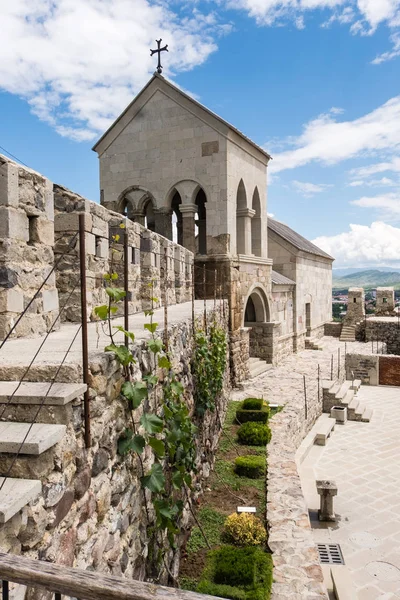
352,409
356,385
253,360
258,369
358,414
333,390
55,394
41,437
15,494
344,388
367,415
347,398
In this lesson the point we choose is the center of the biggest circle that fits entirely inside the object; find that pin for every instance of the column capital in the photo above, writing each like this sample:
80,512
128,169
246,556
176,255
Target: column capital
245,212
190,209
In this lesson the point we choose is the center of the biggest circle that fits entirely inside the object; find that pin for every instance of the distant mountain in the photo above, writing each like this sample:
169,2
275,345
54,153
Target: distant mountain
369,279
342,272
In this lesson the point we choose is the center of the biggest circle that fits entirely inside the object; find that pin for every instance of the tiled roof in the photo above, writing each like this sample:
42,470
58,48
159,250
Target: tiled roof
281,279
295,238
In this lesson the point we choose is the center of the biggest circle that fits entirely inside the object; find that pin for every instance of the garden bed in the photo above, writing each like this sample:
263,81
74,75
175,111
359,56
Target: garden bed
225,492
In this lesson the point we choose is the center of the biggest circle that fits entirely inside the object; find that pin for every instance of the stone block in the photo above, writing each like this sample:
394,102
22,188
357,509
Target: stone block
49,200
102,247
11,301
50,300
9,185
70,222
14,224
90,243
41,231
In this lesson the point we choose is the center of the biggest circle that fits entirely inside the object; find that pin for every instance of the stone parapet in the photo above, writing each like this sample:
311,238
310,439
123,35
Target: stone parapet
26,251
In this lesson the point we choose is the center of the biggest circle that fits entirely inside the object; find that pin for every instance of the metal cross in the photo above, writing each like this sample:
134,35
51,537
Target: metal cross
158,51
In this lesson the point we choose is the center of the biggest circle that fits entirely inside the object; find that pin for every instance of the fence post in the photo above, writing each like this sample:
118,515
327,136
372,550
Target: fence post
205,302
165,299
332,367
305,397
126,287
319,379
85,352
193,318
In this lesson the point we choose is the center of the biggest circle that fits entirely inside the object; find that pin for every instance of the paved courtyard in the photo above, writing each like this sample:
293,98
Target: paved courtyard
364,460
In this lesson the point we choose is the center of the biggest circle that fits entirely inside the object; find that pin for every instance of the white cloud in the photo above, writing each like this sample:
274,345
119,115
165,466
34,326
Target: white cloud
388,205
383,182
329,141
369,13
395,39
310,189
373,169
80,62
377,244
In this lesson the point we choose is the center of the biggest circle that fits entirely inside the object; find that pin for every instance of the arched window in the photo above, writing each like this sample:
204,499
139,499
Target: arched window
177,236
241,212
201,222
257,309
256,230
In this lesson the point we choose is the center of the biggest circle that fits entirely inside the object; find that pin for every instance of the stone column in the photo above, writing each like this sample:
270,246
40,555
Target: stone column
163,222
137,216
326,490
188,226
243,233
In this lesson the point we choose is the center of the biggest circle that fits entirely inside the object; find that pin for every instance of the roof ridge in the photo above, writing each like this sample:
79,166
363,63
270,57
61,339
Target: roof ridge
296,239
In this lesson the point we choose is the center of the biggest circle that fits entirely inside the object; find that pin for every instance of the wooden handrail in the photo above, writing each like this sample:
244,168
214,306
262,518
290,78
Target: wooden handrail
86,585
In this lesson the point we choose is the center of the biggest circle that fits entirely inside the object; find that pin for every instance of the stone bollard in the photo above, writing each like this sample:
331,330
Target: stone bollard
327,490
340,414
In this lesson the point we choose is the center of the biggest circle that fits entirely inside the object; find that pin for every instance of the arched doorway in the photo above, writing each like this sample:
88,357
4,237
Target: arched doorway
257,320
256,308
256,231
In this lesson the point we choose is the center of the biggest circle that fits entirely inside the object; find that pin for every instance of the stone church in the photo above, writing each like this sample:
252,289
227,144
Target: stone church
180,170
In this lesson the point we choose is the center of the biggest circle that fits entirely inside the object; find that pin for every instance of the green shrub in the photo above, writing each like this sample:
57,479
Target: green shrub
252,404
222,591
254,434
244,529
250,466
259,416
237,573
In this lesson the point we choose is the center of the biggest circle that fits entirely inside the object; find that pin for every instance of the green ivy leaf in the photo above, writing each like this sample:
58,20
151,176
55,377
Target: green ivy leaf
148,313
164,362
115,293
129,442
155,346
114,276
155,480
151,423
158,446
151,327
134,393
129,334
151,379
177,480
122,354
101,312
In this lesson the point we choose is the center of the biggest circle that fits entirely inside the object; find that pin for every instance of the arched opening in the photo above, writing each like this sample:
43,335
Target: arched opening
256,310
201,222
256,232
177,233
149,218
241,208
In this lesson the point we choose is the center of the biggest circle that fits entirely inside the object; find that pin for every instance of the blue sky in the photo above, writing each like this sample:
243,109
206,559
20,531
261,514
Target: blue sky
315,82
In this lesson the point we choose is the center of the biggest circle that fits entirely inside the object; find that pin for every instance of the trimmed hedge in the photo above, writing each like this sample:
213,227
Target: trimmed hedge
254,434
244,529
256,416
237,573
250,466
252,404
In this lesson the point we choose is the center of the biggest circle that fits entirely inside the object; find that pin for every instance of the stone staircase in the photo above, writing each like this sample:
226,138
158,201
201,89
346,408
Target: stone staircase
348,333
345,394
311,344
257,367
16,434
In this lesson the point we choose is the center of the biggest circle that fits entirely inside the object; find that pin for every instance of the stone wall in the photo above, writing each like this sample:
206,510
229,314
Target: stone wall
297,570
26,250
239,355
148,256
385,330
364,367
332,329
91,513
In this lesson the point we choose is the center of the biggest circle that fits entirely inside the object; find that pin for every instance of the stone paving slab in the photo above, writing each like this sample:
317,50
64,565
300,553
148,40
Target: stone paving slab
364,460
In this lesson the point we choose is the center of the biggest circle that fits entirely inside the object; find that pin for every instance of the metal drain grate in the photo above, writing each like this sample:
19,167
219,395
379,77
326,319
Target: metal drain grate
330,554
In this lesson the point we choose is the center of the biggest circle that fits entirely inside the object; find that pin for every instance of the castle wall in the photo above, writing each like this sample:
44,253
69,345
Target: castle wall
91,513
314,286
147,252
26,250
